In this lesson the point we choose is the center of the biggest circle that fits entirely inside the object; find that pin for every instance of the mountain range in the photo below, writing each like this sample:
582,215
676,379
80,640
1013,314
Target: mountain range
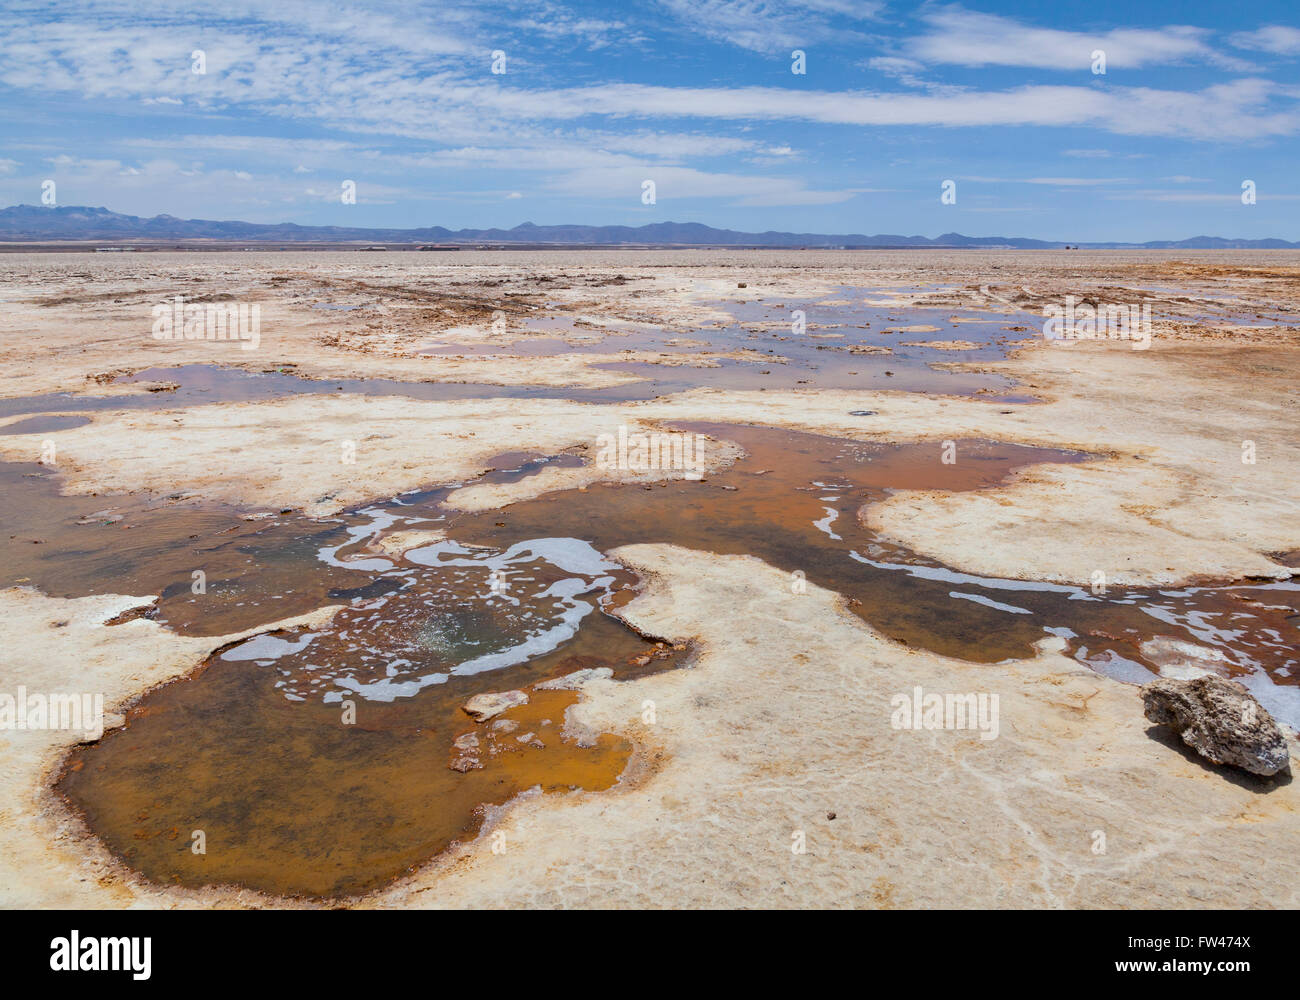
33,223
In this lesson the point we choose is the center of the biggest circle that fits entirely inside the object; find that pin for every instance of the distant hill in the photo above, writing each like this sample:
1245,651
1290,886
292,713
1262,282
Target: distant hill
32,223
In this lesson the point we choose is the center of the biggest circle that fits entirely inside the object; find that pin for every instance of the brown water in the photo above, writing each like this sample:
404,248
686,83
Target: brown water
253,749
255,571
74,546
291,796
292,800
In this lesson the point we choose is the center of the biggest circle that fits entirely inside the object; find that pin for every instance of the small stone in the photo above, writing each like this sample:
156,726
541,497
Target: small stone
465,741
1220,720
485,706
463,764
573,681
504,726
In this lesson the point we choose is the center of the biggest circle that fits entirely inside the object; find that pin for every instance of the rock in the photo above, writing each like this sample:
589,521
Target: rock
465,741
463,764
485,706
504,726
1221,721
575,680
397,543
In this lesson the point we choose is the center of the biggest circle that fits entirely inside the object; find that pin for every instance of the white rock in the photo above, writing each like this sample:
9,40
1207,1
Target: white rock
485,706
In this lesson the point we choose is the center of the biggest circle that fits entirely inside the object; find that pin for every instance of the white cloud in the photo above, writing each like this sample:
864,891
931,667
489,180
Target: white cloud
396,80
1278,39
667,145
1050,181
1237,110
549,20
1227,198
417,90
970,38
597,173
274,147
150,187
903,70
1077,181
771,26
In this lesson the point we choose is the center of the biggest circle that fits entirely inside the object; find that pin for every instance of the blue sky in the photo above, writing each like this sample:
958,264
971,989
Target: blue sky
696,95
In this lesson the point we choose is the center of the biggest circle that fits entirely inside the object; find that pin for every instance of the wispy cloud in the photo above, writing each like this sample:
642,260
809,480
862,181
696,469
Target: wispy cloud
1275,38
1194,197
771,26
696,95
1247,108
970,38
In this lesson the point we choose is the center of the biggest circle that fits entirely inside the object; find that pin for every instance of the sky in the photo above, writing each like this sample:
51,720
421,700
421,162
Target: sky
495,112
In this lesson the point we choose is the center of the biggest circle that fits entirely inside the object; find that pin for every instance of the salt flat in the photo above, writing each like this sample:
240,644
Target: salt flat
1182,476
